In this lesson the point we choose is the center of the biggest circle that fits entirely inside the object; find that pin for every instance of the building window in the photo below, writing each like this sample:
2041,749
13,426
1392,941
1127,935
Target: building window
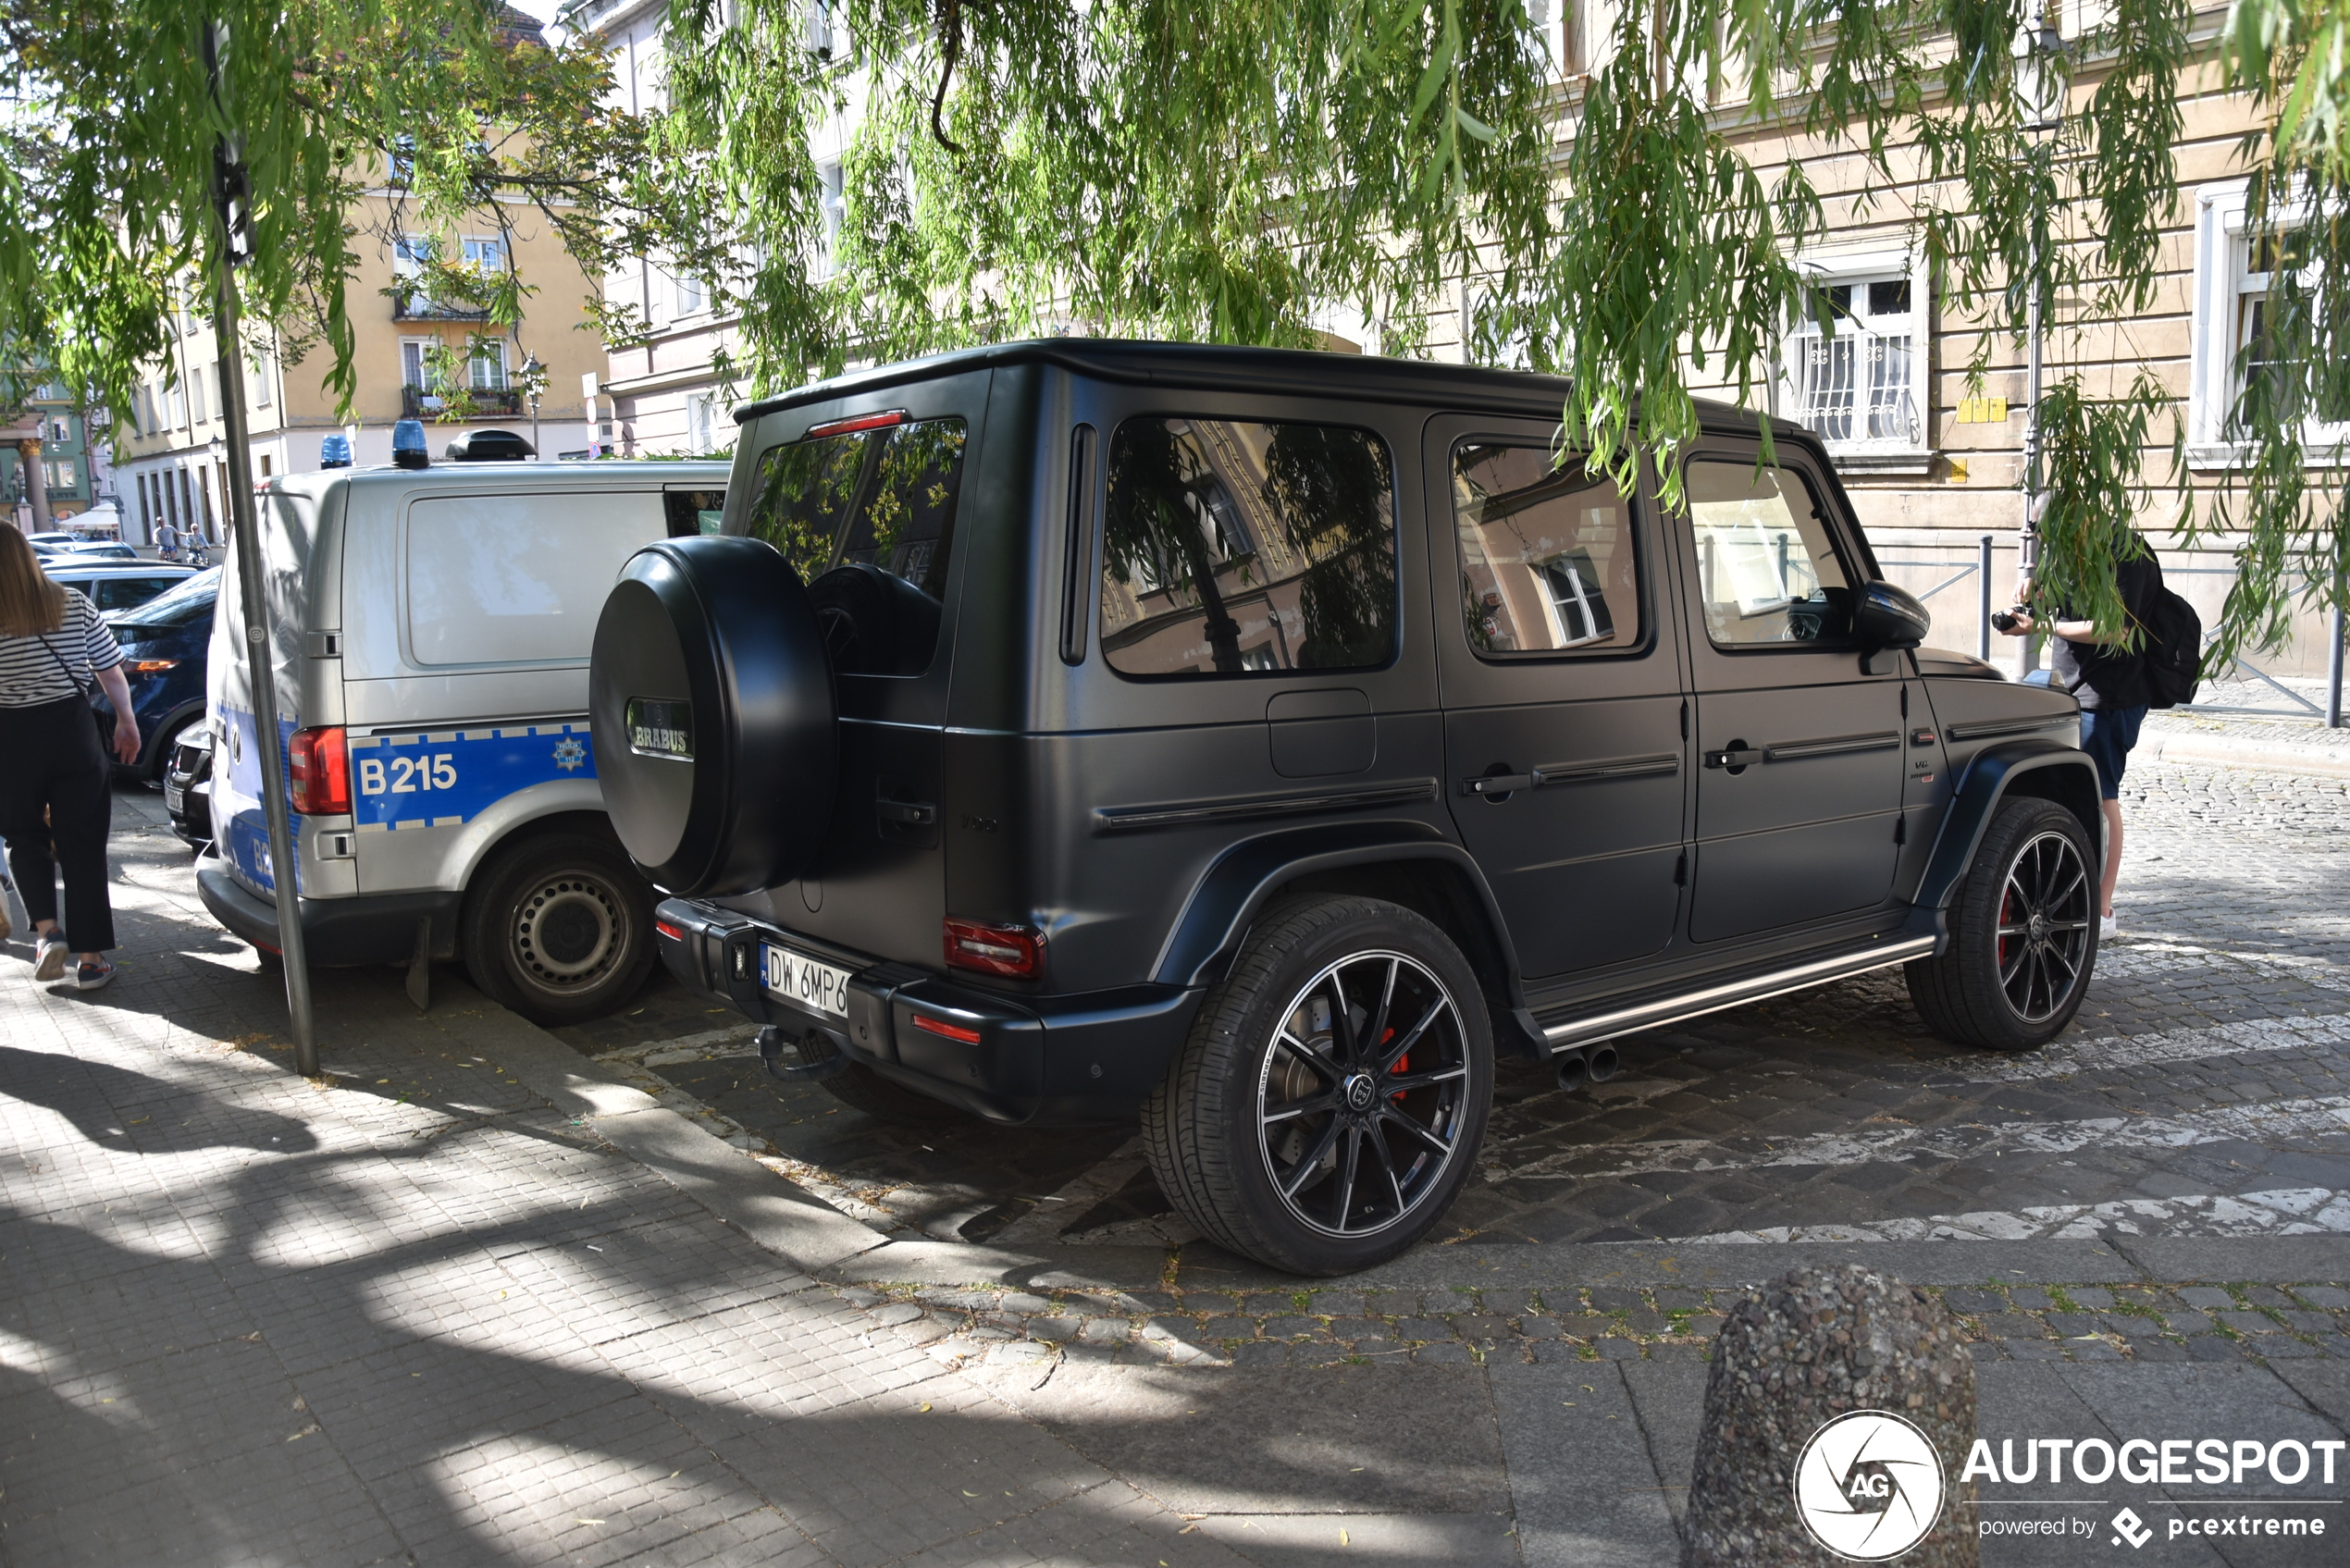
410,257
486,369
195,394
701,422
692,299
2234,276
833,203
261,379
1856,382
483,254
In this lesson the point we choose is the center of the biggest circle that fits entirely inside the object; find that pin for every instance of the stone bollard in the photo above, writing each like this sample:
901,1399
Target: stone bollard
1801,1351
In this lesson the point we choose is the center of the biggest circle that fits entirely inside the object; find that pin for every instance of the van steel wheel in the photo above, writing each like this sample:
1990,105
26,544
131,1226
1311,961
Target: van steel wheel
1334,1091
559,929
2023,934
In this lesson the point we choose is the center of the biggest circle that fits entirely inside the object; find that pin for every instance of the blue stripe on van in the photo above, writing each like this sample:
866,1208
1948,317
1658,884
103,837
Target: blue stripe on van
444,778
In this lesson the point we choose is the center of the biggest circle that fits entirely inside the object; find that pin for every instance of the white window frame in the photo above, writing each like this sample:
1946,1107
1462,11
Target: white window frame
833,205
490,353
483,253
2222,262
407,264
1861,267
701,422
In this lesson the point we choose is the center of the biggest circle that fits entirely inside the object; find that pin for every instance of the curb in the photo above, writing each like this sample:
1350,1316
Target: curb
2227,751
779,1216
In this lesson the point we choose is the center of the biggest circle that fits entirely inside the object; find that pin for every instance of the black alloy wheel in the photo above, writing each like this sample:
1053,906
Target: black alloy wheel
1330,1100
1360,1101
2022,931
2047,912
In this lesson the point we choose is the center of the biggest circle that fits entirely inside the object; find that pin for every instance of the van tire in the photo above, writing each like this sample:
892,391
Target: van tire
1215,1135
559,929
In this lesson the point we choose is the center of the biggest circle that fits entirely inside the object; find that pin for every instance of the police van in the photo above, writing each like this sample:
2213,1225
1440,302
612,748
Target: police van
432,630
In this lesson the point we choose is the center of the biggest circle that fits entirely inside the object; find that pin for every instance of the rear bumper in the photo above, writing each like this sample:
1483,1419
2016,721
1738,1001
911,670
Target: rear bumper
1035,1060
371,929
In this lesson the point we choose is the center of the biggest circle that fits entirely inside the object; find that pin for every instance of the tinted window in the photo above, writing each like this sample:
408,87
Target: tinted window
1547,554
125,593
868,518
187,602
692,513
1767,569
1232,548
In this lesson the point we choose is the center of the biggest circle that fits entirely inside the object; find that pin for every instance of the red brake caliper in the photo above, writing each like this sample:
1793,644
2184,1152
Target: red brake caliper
1403,1064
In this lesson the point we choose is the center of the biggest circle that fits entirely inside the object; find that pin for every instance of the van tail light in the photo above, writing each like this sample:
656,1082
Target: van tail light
321,761
1015,952
675,933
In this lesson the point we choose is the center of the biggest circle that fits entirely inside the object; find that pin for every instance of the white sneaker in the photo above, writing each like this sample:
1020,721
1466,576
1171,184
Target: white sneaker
49,961
2109,930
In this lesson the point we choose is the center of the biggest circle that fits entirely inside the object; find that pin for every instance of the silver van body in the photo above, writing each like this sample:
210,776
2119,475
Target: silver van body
440,619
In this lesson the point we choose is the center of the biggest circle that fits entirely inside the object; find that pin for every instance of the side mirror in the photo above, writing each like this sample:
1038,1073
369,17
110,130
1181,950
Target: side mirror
1887,617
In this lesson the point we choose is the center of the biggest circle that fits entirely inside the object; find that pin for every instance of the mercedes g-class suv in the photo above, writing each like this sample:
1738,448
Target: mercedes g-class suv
1257,742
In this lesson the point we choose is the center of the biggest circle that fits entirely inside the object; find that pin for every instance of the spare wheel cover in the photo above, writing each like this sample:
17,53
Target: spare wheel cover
726,784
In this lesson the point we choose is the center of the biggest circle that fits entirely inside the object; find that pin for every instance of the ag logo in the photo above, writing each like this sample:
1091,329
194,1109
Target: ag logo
1868,1486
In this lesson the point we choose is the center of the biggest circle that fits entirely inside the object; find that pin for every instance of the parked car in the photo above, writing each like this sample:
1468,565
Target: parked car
100,549
187,787
53,539
1254,743
431,655
114,584
166,645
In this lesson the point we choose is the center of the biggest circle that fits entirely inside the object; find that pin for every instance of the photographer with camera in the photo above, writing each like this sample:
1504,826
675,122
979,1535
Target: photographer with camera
2109,680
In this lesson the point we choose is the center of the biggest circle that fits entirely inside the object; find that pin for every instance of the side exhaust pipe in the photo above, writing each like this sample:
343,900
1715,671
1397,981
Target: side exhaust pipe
1602,1063
1572,1071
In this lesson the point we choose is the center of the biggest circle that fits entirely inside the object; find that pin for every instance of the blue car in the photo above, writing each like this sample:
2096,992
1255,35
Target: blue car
163,643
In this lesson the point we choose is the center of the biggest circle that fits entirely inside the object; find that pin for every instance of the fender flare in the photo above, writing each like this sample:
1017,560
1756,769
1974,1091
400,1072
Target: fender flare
1207,934
1988,780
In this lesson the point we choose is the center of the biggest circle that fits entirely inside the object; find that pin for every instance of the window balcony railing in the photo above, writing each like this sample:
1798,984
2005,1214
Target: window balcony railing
496,402
416,307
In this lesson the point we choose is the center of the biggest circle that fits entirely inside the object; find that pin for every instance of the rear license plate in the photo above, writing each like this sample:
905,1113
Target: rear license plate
795,977
173,798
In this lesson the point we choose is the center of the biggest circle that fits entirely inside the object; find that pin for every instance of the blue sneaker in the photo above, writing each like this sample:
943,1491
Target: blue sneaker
89,976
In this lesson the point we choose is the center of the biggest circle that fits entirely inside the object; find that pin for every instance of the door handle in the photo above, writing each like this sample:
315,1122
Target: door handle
1744,758
1500,783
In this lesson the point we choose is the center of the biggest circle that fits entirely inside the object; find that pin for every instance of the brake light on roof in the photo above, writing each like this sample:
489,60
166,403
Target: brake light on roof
1016,952
857,422
944,1031
321,769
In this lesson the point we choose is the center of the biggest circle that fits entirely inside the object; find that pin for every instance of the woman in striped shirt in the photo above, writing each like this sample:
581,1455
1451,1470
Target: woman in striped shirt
54,794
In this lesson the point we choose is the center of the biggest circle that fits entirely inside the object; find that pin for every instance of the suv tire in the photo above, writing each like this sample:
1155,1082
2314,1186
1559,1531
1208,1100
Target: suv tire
558,927
1281,1130
2023,934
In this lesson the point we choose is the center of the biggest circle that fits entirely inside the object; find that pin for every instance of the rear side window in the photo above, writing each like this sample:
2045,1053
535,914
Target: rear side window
126,593
1235,548
1548,561
1766,564
867,518
507,579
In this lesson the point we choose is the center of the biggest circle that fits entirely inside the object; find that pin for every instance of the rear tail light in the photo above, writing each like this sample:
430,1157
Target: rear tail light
1016,952
321,761
153,666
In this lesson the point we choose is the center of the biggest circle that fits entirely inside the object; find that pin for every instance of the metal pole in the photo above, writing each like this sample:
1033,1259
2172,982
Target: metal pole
1983,590
229,216
2334,671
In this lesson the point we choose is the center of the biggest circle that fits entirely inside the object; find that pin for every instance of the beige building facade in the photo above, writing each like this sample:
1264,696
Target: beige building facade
171,454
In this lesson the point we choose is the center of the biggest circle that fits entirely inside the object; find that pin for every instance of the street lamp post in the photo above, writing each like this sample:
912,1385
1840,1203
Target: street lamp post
534,381
231,197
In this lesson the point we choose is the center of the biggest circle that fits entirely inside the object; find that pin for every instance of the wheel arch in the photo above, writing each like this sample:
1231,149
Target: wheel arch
1404,863
2026,769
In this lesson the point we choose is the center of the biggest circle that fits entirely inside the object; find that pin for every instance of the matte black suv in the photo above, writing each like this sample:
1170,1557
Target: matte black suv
1260,741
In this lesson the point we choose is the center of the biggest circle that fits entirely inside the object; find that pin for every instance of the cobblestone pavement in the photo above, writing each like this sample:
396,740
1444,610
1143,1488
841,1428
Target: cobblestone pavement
411,1313
2205,1090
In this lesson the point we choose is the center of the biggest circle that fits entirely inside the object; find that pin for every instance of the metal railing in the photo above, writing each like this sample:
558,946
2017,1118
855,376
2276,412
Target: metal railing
1980,570
2302,708
499,402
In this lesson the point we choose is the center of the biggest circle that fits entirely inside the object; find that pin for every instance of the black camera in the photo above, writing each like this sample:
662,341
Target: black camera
2006,620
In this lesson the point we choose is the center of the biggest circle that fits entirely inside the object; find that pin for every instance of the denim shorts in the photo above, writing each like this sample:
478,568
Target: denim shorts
2107,734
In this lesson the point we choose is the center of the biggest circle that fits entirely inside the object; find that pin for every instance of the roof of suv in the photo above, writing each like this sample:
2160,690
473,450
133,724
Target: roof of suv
1287,371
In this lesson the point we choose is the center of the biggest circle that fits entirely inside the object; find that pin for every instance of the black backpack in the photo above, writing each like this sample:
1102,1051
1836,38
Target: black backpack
2172,645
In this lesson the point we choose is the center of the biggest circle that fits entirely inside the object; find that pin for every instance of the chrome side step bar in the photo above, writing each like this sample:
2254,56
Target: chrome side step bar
1754,988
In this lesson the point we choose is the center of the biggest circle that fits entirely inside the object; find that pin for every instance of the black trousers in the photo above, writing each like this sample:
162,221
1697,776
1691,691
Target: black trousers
50,763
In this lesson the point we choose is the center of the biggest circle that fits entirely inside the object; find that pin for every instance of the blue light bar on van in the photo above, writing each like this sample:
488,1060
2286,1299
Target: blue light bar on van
859,422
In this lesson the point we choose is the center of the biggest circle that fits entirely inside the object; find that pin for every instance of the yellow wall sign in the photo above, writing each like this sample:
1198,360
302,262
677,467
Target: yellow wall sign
1983,411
